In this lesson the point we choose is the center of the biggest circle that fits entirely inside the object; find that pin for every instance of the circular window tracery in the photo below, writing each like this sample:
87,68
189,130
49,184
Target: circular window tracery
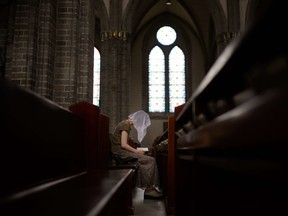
166,35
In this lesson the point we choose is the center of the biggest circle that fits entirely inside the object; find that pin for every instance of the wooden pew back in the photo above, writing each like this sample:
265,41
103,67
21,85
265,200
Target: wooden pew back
96,133
51,163
39,139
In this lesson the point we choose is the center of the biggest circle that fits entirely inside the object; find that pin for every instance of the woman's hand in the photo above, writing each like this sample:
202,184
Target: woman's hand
140,152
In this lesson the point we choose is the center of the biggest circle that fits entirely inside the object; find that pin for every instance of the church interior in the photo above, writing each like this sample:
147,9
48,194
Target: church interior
211,74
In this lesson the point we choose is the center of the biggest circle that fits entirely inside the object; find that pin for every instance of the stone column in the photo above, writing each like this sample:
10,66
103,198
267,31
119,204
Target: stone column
115,66
86,51
46,48
116,50
73,77
21,55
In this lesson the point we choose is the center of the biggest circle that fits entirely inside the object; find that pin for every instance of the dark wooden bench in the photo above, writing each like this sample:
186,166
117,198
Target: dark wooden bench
232,160
101,140
164,151
46,161
97,127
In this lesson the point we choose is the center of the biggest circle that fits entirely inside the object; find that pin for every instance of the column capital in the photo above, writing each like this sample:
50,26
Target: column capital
226,37
119,35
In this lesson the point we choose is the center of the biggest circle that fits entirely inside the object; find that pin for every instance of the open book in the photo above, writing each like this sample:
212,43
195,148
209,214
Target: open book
143,148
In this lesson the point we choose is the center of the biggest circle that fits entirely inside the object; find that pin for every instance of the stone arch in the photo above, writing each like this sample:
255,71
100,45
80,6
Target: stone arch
101,11
97,36
250,11
218,16
128,14
233,15
220,27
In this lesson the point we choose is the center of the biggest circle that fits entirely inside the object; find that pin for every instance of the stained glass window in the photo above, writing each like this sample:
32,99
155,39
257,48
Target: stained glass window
96,78
166,35
177,92
156,80
166,71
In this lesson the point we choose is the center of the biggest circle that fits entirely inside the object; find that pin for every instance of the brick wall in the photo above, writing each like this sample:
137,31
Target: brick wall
4,15
22,43
46,48
49,47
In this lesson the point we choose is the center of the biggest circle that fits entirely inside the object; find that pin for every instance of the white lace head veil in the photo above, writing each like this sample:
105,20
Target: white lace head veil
141,121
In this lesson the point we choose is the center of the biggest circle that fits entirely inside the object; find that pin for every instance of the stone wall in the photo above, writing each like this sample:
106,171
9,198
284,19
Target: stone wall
49,47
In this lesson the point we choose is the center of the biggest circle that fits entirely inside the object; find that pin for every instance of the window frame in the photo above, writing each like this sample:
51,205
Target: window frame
151,43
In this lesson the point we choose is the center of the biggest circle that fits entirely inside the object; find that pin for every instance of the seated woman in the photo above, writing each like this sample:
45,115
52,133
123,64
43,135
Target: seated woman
147,172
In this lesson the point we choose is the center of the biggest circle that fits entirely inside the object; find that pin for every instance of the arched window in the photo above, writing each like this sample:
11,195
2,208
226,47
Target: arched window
166,73
96,78
177,93
156,80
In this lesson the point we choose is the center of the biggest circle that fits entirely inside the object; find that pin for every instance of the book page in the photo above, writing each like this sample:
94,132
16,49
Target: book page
143,148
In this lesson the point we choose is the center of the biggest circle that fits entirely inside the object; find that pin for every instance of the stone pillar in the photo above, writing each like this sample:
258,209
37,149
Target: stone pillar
21,52
73,77
46,48
86,51
50,48
115,66
116,51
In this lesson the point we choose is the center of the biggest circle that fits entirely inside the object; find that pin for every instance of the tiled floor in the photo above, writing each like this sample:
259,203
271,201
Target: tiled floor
147,207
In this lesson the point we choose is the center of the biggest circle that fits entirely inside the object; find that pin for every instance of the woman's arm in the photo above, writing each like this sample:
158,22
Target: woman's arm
126,146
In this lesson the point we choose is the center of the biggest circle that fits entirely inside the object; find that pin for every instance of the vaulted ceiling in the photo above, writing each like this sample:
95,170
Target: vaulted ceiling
194,12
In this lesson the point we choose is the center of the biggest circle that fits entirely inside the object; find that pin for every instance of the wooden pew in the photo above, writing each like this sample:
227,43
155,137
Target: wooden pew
45,162
99,154
233,160
98,136
87,193
100,141
165,157
90,115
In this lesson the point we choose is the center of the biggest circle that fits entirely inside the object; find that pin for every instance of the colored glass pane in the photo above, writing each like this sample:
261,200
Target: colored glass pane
176,78
157,91
156,79
96,78
158,105
166,35
177,93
